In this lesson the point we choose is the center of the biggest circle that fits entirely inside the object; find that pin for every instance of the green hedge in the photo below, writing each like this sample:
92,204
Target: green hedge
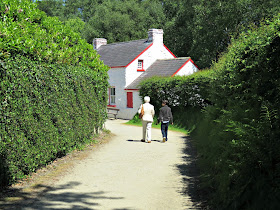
47,110
26,30
183,91
237,131
53,90
243,125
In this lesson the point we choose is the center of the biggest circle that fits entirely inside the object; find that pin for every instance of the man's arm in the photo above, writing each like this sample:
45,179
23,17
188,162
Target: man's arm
153,111
139,110
159,116
171,116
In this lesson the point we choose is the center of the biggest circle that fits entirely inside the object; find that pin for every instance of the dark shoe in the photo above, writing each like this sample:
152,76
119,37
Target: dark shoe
142,140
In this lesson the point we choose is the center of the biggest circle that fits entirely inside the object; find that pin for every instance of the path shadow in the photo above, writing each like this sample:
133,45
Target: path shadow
189,171
111,118
136,141
139,141
52,198
159,141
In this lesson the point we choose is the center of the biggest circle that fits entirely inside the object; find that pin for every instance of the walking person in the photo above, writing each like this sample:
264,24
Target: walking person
147,119
165,117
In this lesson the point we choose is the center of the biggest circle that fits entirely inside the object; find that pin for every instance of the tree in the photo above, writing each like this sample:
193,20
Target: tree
212,29
200,29
51,7
178,28
204,27
124,20
76,24
115,20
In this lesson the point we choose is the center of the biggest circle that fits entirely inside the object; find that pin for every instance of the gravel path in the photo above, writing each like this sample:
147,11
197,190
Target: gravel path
125,174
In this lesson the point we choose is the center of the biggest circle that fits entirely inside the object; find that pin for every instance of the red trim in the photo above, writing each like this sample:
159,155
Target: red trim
194,64
181,67
189,60
170,51
142,64
139,54
114,67
111,105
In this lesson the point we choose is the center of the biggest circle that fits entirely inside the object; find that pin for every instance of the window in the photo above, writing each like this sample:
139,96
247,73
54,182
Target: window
140,65
112,96
129,99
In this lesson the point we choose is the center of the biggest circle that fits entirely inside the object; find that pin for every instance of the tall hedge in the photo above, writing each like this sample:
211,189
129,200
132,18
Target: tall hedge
187,95
53,90
237,133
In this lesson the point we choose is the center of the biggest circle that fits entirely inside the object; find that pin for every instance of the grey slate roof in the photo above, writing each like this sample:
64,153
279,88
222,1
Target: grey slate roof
164,68
122,53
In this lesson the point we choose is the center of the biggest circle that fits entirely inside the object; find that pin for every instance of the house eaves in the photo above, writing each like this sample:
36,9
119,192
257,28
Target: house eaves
163,68
121,54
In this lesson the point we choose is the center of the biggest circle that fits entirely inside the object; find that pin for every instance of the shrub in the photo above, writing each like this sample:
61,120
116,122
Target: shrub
237,128
47,111
53,90
244,122
183,91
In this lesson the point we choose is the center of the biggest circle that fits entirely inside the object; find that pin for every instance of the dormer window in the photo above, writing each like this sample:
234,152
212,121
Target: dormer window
140,66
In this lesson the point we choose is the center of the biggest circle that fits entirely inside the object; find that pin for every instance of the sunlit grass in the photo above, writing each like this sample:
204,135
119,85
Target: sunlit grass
138,122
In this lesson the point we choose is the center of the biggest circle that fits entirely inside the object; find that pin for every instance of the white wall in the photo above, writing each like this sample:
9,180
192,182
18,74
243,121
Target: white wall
117,80
149,57
156,51
121,77
137,101
188,69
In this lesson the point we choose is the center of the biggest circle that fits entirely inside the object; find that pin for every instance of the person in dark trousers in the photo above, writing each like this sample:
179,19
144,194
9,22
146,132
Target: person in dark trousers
165,117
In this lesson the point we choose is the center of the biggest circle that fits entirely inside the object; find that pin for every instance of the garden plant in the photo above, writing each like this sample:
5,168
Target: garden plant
232,112
53,90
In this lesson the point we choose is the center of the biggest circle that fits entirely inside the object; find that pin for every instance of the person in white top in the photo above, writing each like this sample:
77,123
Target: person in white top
147,119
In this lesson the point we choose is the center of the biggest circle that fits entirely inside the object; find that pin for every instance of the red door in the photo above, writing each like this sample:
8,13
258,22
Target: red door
129,99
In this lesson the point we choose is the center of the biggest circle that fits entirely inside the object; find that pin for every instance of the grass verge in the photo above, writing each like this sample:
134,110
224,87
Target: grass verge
137,122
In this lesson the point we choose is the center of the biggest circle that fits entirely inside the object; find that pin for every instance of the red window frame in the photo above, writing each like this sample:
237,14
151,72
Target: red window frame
129,99
142,65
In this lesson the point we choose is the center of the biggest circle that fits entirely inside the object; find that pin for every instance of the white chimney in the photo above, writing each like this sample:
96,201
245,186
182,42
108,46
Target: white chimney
98,42
155,36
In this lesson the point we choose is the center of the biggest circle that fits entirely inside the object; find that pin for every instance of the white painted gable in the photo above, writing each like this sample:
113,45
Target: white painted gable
188,69
152,54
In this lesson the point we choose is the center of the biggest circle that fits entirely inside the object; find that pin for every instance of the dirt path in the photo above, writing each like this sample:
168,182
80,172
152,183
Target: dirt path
126,174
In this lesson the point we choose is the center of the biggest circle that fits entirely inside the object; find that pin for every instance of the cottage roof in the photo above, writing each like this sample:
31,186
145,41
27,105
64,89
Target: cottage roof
163,67
122,53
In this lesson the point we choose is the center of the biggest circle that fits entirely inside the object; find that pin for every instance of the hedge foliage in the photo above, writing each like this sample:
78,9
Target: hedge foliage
53,90
26,30
186,95
236,131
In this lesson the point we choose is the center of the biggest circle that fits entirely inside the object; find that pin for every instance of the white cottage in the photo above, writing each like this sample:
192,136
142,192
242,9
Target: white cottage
133,61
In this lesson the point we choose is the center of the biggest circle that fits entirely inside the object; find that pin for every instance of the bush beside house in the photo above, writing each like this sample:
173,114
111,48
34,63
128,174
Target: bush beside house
53,90
233,113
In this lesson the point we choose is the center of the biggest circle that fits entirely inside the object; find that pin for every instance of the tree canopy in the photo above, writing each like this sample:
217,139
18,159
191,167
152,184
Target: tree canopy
200,29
